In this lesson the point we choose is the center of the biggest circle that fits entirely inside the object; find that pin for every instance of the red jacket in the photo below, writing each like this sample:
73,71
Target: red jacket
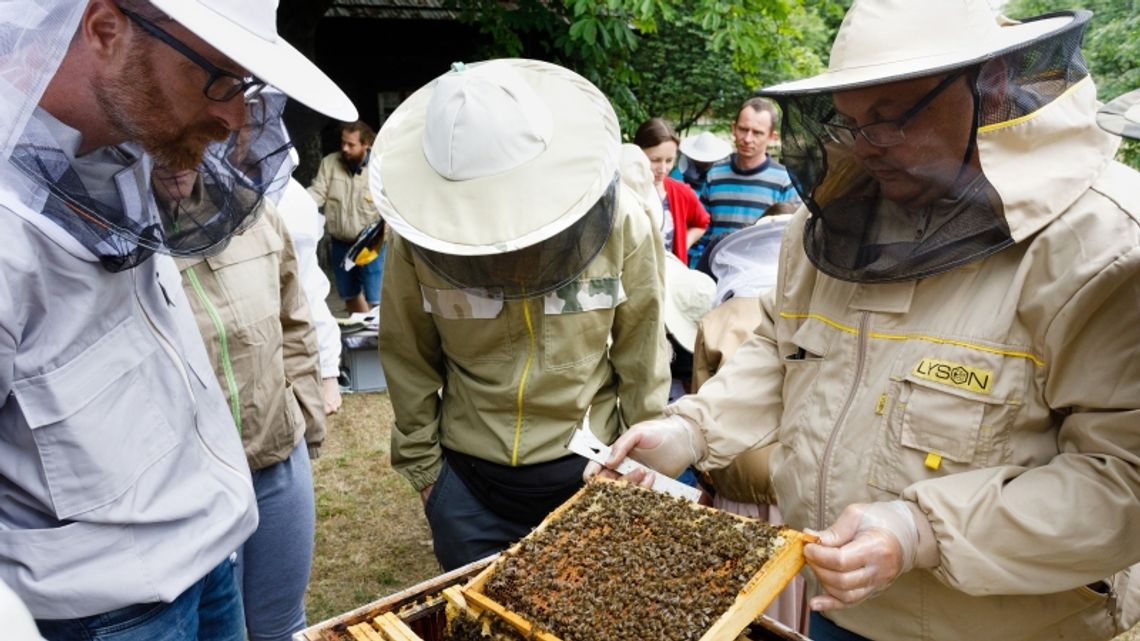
687,212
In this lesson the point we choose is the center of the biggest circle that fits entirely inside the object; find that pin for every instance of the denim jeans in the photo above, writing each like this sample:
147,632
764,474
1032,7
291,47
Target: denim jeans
362,278
209,610
274,564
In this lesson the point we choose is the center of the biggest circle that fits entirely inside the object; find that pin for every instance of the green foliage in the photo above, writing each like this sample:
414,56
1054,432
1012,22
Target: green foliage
1112,47
682,59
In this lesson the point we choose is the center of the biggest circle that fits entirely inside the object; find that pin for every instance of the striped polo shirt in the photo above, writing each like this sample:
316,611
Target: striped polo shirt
736,199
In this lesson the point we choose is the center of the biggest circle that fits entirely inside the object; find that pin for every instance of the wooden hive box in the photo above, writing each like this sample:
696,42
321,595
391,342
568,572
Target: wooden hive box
664,611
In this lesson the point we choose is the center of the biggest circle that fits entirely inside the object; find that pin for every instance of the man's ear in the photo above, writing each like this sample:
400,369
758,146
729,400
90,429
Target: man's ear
104,29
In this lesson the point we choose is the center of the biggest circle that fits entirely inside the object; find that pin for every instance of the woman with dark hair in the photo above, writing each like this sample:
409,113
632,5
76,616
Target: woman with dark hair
685,218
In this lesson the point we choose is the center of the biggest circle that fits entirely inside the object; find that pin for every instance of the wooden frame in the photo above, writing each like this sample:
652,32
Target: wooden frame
750,603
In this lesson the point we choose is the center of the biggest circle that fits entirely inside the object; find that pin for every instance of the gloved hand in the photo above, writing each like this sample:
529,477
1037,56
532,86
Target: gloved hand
866,549
668,445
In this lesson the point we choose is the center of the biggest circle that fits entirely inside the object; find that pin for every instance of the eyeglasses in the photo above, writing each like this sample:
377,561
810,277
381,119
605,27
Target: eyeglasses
221,85
888,133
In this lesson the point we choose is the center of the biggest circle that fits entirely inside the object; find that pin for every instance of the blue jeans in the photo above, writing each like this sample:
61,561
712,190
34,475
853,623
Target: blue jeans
462,528
364,278
274,564
209,610
821,628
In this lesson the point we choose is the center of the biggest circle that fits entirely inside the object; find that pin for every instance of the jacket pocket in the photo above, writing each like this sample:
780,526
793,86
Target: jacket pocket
577,318
248,275
945,412
96,433
471,323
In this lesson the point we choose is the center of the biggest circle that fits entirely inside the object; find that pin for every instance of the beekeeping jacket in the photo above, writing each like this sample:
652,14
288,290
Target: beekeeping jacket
254,318
506,381
344,196
1002,396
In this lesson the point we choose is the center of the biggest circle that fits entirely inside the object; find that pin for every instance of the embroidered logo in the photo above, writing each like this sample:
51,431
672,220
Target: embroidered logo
972,379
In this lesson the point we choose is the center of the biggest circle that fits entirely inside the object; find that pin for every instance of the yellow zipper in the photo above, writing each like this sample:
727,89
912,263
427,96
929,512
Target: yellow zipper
522,382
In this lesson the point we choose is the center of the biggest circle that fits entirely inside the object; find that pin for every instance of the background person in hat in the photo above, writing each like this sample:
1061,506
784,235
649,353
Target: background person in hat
698,153
522,289
948,361
125,491
259,334
685,218
341,190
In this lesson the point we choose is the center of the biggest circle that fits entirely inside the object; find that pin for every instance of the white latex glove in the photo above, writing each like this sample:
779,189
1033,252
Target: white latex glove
866,549
668,445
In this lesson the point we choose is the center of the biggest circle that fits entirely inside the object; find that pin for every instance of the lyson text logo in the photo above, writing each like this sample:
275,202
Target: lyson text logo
955,375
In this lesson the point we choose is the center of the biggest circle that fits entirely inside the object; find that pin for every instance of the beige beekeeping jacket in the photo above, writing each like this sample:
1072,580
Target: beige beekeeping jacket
255,321
1002,397
507,381
719,334
344,197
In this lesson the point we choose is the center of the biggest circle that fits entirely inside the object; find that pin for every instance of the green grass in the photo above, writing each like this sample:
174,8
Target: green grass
372,538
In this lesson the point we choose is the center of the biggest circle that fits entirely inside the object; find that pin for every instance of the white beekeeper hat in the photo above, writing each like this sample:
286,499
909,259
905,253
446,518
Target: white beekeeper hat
689,296
495,156
246,31
883,41
705,147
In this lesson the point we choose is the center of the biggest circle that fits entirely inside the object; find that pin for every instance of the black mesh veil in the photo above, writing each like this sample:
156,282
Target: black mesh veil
539,268
109,205
855,231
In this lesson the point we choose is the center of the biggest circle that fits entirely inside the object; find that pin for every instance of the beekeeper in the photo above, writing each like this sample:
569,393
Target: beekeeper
948,362
521,289
123,488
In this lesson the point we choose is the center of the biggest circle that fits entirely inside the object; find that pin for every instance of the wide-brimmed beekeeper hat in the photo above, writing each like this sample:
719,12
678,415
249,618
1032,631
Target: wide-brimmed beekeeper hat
495,156
884,41
1122,115
689,295
246,31
705,147
998,74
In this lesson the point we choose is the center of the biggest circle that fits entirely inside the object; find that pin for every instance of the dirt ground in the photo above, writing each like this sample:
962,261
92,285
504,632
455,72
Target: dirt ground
372,537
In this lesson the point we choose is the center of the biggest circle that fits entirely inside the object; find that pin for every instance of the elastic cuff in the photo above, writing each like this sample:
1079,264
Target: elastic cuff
698,447
927,555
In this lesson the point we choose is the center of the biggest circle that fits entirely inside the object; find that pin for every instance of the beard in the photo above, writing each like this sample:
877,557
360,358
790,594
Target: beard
139,111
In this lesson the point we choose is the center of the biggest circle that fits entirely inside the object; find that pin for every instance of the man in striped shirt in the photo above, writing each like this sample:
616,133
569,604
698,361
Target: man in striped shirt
739,188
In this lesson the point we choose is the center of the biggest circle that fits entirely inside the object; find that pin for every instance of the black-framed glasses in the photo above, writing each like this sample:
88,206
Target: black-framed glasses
888,133
221,85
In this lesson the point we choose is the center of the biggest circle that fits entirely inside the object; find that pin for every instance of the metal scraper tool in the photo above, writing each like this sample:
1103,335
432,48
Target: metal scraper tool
583,442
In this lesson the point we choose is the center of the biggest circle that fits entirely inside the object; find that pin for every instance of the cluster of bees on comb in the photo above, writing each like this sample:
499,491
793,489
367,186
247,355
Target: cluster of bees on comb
623,562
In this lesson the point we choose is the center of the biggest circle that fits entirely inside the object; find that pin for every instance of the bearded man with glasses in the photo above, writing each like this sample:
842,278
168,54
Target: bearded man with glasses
947,364
124,490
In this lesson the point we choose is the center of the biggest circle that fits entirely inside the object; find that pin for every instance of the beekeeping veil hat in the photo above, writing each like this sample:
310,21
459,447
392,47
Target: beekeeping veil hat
688,297
897,193
104,198
745,261
1122,115
502,174
705,147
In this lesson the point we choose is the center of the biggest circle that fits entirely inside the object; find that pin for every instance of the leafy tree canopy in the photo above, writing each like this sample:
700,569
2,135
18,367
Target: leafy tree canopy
1112,47
682,59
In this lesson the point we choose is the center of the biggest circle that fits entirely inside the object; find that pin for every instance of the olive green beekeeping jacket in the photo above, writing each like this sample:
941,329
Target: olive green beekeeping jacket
507,381
259,333
1002,397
